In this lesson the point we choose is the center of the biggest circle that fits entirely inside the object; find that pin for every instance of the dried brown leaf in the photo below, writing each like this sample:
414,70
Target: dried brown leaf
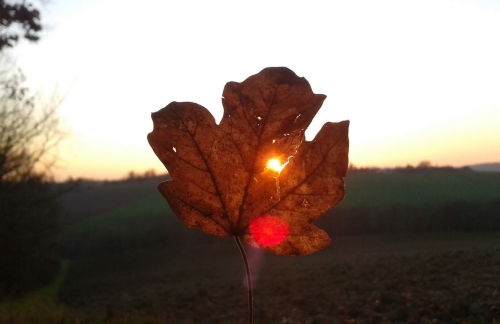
221,183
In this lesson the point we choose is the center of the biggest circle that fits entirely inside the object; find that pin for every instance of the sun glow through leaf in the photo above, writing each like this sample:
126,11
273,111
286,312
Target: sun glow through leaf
275,164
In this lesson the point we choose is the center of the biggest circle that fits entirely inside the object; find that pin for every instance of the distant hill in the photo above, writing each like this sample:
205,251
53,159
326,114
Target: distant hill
486,167
109,217
423,188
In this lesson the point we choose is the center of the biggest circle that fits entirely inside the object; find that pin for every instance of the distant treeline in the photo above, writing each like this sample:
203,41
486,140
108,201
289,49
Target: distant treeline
424,166
72,184
458,215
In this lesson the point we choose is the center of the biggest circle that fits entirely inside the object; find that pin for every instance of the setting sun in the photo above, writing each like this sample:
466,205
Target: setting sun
275,164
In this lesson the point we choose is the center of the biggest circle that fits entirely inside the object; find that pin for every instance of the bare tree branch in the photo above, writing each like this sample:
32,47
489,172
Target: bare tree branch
30,129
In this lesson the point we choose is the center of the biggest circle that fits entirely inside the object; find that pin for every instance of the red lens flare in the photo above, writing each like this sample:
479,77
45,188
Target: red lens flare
268,230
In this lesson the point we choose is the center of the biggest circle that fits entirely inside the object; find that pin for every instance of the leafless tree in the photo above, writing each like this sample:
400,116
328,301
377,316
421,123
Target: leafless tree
30,129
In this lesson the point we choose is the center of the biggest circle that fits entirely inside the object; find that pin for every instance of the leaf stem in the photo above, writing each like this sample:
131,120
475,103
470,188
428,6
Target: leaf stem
249,279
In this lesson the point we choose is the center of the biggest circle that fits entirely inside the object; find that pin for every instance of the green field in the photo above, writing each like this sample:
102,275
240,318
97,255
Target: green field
379,189
129,215
128,203
420,188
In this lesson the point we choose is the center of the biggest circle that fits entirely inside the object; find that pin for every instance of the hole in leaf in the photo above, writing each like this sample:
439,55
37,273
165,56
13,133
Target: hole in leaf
306,203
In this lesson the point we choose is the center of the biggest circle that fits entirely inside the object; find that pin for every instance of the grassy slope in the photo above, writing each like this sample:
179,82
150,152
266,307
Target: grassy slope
123,214
39,306
128,201
386,189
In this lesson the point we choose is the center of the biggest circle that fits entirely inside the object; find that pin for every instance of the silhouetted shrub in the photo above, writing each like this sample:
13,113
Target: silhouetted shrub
29,222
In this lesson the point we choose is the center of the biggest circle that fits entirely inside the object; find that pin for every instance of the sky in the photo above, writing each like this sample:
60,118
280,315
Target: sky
418,80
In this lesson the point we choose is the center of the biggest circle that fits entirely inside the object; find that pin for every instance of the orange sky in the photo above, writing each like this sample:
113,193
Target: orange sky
418,80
